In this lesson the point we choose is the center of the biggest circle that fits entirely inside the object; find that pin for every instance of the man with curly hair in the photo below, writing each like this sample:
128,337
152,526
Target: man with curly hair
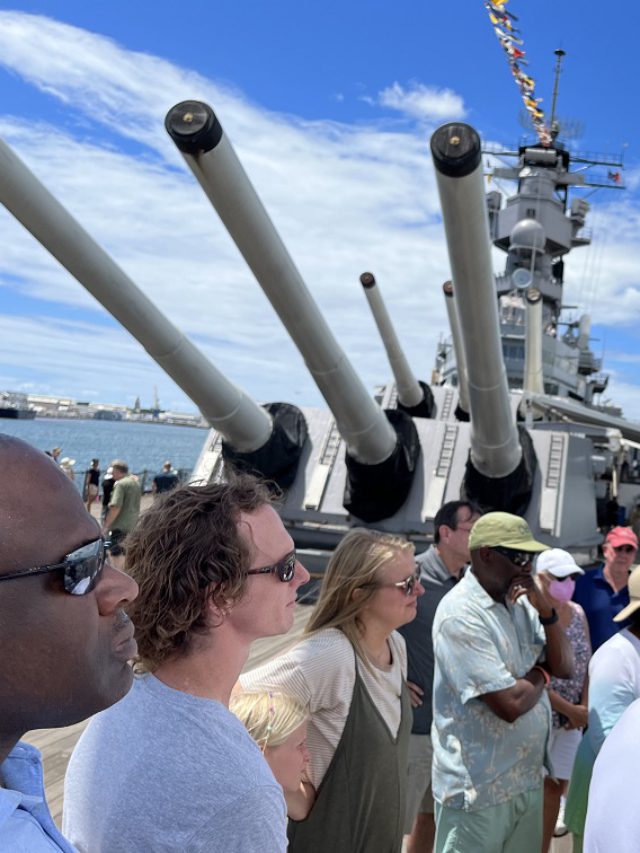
170,768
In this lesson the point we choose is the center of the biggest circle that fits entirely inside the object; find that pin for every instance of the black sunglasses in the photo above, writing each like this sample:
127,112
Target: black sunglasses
624,549
407,585
518,558
82,568
284,568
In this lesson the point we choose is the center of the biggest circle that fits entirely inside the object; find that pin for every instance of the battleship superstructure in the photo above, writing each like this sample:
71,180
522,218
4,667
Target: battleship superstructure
391,459
537,227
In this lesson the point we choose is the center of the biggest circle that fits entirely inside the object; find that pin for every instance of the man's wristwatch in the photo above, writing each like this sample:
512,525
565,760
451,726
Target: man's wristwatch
549,620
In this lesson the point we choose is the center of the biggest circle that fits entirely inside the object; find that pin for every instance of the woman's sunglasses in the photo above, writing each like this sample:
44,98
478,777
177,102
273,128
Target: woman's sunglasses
81,568
284,568
407,585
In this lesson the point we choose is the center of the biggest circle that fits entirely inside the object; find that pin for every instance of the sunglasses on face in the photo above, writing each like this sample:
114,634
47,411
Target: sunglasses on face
285,568
623,549
81,568
518,558
407,585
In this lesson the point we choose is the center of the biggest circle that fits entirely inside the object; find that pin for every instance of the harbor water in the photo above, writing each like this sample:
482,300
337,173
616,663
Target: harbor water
144,446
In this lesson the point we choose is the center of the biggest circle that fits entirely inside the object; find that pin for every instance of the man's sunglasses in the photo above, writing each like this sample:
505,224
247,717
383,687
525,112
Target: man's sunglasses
623,549
518,558
284,568
81,567
407,585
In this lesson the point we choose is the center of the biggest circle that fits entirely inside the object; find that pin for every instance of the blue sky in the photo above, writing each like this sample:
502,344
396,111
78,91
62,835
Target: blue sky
330,108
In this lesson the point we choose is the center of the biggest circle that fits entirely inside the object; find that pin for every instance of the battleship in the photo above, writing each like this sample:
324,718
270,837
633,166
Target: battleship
521,435
15,405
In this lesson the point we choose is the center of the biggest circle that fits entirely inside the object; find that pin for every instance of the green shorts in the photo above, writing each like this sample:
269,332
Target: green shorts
511,827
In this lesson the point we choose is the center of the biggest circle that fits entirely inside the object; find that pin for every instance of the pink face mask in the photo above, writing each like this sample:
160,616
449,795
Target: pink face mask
562,590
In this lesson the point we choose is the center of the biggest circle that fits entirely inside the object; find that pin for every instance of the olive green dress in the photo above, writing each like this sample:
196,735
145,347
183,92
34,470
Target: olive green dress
360,804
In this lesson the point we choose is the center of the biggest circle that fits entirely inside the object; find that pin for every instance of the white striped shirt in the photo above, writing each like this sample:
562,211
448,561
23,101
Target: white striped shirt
320,673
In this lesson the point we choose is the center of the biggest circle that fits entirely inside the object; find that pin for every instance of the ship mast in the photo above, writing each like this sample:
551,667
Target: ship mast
553,125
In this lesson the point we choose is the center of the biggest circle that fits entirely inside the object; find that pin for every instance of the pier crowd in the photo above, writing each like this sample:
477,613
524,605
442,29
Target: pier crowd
446,702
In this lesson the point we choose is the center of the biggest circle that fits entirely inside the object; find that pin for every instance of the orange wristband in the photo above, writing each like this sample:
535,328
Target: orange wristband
545,674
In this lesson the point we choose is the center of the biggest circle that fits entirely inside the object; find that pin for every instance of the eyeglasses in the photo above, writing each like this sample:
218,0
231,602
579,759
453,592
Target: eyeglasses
284,568
624,549
82,568
518,558
407,585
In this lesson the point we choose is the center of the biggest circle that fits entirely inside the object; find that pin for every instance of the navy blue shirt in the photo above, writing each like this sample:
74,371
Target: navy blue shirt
600,604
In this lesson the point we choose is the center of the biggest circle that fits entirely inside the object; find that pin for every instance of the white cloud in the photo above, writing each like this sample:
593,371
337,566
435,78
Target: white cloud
426,103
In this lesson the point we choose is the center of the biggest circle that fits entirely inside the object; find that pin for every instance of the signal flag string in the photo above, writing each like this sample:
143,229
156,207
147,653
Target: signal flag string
512,44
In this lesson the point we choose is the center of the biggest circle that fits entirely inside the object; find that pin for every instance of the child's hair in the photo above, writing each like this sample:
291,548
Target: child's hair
268,717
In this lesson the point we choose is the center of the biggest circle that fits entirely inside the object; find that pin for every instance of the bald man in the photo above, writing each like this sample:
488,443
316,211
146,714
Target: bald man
65,638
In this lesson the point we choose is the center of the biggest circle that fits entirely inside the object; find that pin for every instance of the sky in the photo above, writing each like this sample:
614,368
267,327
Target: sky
330,108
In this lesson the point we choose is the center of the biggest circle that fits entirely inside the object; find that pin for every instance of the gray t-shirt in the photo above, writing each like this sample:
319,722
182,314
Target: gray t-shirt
162,771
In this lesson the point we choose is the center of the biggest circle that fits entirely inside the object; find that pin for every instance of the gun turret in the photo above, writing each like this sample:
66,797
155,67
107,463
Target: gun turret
382,451
414,397
462,409
499,475
269,444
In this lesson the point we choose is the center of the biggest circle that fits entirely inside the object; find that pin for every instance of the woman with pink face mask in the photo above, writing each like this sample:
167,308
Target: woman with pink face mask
557,571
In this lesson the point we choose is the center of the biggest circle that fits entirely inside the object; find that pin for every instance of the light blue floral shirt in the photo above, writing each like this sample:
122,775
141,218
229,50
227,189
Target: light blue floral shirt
481,646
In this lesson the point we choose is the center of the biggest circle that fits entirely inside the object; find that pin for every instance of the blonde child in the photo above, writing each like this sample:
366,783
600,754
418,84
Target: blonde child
278,724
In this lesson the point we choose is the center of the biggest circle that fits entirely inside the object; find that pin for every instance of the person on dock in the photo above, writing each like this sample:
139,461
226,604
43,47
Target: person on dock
124,504
107,490
92,483
558,571
65,638
614,683
278,724
350,670
67,464
491,710
602,592
441,567
177,770
165,481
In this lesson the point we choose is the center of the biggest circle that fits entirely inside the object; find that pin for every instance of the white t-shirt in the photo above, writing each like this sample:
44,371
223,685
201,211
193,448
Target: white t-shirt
320,673
613,816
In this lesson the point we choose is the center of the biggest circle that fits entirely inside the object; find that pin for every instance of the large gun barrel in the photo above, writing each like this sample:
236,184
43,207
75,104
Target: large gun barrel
496,457
240,421
533,382
414,397
381,457
462,411
199,136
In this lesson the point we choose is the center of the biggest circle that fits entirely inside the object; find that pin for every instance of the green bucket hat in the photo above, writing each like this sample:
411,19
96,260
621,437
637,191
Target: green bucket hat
501,529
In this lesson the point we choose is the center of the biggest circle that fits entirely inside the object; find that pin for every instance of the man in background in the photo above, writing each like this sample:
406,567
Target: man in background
92,483
166,480
603,592
124,506
64,636
441,567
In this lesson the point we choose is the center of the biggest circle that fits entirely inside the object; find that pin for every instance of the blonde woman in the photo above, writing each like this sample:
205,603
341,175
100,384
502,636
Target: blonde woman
350,671
278,724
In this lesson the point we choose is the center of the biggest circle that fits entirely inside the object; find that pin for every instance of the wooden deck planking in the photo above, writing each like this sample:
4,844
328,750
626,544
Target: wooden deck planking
57,745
